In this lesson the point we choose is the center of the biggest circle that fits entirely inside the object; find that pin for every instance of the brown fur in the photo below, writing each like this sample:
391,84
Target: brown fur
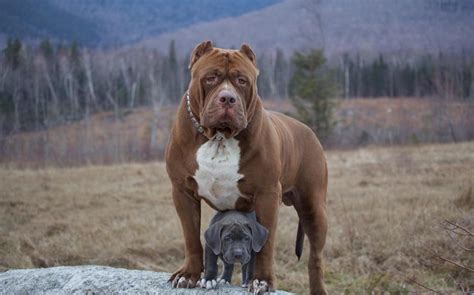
278,154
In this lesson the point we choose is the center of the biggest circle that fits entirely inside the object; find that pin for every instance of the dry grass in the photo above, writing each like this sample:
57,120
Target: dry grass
106,140
386,207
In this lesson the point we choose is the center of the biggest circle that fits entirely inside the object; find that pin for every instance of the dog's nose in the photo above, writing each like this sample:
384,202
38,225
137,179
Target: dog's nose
227,98
238,254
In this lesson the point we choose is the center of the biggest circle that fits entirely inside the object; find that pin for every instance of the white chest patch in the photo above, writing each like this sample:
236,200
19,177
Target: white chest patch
218,172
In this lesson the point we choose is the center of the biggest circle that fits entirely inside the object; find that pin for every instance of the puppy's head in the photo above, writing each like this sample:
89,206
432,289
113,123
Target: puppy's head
236,241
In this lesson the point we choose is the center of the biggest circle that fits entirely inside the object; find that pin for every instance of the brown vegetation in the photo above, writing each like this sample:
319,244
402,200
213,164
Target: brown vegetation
387,210
141,134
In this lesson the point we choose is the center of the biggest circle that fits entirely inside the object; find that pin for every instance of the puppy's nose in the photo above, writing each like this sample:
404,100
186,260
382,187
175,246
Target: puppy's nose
238,254
227,98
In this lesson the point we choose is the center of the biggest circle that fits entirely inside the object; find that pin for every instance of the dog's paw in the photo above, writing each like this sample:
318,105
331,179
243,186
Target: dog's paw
186,277
207,284
259,287
222,281
211,284
182,282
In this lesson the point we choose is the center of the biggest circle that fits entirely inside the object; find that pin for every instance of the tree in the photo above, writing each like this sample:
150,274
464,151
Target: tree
13,53
379,81
7,111
311,91
263,82
173,74
46,49
280,74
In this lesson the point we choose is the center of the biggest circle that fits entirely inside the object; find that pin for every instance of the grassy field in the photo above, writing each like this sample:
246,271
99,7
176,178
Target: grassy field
386,207
105,139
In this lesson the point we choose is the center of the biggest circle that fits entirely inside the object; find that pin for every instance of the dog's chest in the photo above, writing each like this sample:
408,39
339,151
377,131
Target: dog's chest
218,172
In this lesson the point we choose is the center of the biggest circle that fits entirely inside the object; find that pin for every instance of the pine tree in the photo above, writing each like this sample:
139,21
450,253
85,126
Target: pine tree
173,73
280,74
46,49
311,92
379,77
263,82
12,53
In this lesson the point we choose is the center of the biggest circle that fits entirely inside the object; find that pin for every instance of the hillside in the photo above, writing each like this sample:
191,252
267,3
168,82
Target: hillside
112,22
32,19
367,26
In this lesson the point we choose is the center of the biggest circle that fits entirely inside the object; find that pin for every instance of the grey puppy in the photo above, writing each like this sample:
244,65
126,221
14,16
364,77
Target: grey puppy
234,237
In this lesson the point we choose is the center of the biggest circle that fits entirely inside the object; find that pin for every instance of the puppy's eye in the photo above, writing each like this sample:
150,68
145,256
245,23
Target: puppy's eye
246,239
227,239
241,81
211,79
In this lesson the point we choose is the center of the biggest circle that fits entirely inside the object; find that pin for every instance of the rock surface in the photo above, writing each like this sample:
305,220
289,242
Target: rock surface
97,280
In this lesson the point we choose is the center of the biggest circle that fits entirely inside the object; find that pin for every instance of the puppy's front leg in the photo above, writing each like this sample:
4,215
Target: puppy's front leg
247,271
210,269
227,274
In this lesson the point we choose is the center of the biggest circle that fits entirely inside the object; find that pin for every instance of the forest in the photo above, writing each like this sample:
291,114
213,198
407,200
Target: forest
49,84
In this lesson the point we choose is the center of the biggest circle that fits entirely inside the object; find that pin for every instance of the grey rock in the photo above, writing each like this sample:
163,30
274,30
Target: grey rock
97,280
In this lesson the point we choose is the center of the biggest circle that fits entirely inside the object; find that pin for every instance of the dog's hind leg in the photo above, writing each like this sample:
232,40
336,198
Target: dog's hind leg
310,204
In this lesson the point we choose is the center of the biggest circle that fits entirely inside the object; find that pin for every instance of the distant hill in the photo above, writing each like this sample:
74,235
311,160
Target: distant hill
32,19
368,26
112,22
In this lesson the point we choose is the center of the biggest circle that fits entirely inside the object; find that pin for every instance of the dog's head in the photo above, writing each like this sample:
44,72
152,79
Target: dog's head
236,240
223,88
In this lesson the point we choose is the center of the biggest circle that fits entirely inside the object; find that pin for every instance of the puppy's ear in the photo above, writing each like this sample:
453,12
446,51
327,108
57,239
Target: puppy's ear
199,51
259,236
248,52
213,237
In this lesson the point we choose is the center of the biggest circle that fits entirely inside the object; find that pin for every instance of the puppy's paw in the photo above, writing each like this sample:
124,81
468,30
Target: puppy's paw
259,287
207,284
222,281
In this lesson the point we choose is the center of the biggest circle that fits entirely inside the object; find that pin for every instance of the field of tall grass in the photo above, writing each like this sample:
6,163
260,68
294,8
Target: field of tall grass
141,134
392,211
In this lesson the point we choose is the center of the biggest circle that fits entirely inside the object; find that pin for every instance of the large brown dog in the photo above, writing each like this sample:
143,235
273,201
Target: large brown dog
227,149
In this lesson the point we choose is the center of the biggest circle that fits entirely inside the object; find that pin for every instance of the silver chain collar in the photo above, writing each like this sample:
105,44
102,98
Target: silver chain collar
218,136
196,124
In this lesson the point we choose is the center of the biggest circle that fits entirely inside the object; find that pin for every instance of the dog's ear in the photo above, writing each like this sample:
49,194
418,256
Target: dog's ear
248,52
259,236
213,237
199,51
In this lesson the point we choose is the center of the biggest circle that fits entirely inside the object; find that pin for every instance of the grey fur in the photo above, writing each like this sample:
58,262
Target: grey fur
234,237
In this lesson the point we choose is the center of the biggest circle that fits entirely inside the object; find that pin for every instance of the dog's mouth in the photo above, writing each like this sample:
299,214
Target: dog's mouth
232,260
225,129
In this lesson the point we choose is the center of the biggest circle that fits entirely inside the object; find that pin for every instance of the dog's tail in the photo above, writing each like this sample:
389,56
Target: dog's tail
299,240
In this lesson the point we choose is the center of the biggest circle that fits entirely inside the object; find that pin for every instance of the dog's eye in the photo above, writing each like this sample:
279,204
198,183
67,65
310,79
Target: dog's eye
241,81
246,239
227,239
211,79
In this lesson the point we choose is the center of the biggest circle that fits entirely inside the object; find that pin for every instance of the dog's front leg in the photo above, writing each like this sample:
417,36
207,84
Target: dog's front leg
247,271
227,273
210,270
189,212
266,209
